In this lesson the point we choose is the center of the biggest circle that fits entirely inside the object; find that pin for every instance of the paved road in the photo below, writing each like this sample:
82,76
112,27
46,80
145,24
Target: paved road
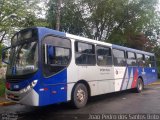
125,102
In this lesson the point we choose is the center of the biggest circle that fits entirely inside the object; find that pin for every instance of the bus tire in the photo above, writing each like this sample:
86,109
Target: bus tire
140,86
79,96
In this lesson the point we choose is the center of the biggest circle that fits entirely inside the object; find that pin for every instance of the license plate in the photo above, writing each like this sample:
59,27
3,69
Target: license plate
11,96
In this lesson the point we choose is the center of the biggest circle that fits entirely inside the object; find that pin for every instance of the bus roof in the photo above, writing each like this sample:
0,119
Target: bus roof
71,36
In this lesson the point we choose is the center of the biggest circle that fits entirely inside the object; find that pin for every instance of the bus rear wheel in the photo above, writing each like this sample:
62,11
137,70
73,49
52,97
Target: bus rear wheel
140,86
79,96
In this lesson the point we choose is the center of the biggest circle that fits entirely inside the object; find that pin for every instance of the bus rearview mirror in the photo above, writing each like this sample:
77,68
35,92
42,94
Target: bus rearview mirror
49,52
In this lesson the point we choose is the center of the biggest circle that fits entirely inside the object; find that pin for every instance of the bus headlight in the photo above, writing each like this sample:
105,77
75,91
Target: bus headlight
29,87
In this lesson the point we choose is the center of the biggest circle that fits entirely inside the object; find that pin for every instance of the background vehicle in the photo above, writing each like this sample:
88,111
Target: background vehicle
47,67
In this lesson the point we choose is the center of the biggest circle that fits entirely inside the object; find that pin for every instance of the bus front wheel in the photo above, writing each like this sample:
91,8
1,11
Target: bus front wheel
79,95
140,86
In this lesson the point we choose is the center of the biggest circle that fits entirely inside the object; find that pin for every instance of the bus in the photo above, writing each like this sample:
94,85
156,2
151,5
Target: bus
48,67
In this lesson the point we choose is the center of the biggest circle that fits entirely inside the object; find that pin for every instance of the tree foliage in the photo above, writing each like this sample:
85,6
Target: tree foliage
17,14
131,23
1,47
104,19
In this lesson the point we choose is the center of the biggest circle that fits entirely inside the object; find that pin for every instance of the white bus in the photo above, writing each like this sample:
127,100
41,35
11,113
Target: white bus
48,67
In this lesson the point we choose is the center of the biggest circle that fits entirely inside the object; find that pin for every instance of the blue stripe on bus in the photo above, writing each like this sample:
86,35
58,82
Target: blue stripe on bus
53,83
56,89
45,31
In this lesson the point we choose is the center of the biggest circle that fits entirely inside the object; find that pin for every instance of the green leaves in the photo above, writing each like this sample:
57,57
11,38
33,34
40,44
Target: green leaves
18,14
131,23
103,19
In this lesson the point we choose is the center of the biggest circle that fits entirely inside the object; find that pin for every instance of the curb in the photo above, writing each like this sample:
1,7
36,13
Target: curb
156,83
6,103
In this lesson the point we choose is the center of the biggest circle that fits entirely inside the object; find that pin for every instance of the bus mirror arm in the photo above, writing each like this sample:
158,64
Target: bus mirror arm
5,55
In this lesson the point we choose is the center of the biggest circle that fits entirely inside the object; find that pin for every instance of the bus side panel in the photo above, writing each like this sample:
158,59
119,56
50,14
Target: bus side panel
120,76
130,77
71,78
53,89
151,75
100,79
105,79
72,73
126,77
131,74
91,75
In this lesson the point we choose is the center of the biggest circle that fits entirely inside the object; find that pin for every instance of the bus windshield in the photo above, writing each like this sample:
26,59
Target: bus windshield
23,59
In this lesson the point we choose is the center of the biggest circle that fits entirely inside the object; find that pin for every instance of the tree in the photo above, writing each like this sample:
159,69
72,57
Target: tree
103,19
71,18
17,14
131,23
1,47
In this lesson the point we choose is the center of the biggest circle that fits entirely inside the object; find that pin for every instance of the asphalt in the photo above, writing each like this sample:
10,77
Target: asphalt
121,103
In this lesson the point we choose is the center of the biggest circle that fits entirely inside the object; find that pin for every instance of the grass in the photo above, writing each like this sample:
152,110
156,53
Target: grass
2,87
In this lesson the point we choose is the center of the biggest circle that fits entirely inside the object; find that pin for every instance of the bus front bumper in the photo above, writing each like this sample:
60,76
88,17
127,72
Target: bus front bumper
30,98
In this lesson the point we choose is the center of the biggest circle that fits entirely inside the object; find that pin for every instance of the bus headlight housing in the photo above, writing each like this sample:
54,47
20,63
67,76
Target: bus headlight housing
30,86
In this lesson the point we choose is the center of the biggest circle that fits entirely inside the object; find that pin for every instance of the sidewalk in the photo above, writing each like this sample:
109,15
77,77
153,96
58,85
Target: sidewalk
156,83
5,102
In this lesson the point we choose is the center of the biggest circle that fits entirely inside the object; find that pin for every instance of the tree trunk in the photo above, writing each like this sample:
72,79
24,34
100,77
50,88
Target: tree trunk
2,38
58,14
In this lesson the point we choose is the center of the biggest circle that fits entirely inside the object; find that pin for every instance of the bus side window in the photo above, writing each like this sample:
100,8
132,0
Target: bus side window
131,59
104,56
119,57
140,60
147,61
56,55
85,53
153,64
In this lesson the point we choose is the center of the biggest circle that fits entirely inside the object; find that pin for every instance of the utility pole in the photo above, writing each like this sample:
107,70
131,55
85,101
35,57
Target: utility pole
58,14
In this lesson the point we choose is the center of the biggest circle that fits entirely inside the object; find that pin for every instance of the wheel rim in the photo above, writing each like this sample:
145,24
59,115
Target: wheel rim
81,95
140,86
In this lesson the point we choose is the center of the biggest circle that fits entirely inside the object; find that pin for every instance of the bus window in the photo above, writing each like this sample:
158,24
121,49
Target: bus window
104,56
56,55
140,59
131,59
153,64
119,57
85,53
147,61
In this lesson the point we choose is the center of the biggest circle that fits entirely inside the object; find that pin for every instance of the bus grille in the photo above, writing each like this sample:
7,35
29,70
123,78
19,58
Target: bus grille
13,80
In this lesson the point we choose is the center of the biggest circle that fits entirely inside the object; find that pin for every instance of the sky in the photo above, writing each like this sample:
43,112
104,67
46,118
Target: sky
42,4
